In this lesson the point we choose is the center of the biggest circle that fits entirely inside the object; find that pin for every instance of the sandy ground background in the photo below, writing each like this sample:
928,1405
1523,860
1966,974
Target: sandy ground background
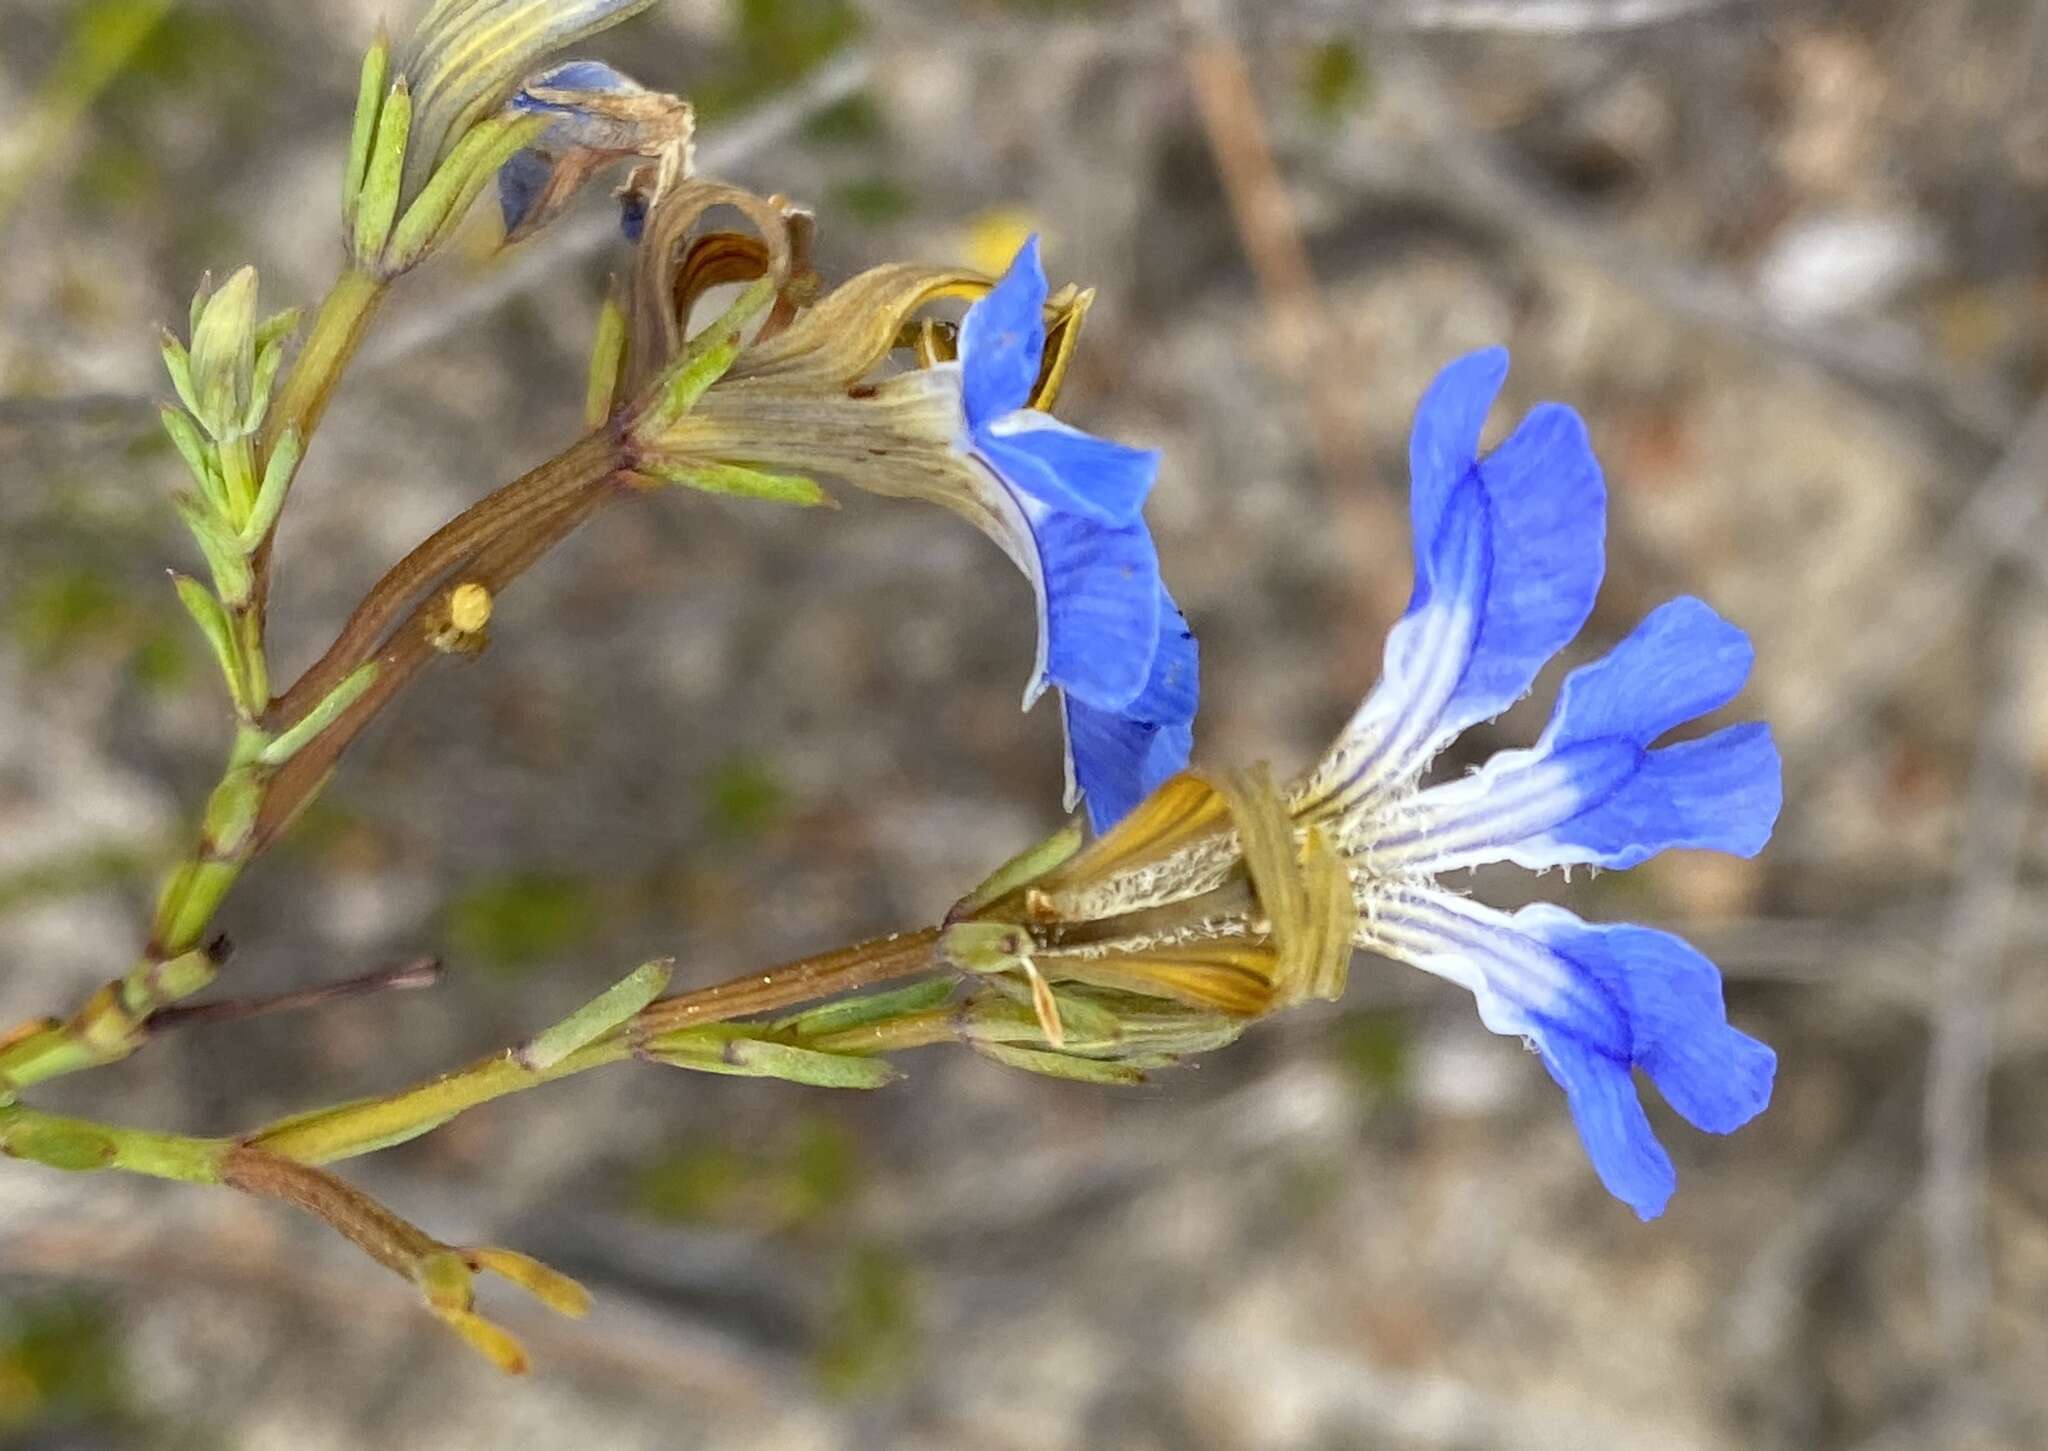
1791,260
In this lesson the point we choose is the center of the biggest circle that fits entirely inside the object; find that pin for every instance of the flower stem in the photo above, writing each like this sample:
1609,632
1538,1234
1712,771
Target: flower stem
866,964
324,1137
351,1130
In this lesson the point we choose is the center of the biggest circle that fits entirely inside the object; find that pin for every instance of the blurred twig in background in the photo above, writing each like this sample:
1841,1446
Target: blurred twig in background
105,36
1302,339
1957,1111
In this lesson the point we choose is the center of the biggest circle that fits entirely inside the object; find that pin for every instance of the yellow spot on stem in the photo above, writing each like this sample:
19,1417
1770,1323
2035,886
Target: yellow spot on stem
469,608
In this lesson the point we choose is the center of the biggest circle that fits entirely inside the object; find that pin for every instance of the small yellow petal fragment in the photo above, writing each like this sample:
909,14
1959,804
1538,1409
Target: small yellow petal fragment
991,240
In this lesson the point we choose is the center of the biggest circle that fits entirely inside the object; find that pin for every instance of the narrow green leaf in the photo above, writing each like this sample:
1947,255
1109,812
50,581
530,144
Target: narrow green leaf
269,358
200,295
742,483
369,102
299,735
198,455
1089,1025
377,202
178,363
753,1058
1057,1065
454,187
270,496
279,327
607,362
1020,870
861,1012
237,456
710,354
232,579
597,1017
206,612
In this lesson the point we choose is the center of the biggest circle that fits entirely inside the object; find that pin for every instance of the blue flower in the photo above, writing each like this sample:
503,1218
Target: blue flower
1509,555
1110,636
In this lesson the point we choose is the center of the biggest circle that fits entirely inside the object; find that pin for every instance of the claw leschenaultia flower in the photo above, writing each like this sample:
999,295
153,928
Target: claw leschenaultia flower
1229,896
970,429
598,117
468,57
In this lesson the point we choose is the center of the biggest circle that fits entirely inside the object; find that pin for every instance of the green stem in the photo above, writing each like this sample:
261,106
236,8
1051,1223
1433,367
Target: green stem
82,1146
338,330
345,1132
351,1130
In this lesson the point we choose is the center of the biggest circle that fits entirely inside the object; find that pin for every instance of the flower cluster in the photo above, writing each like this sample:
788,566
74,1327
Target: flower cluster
1222,895
1204,902
1225,895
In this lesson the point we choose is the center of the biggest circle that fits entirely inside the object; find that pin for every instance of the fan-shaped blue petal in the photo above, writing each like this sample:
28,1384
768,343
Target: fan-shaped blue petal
1597,1002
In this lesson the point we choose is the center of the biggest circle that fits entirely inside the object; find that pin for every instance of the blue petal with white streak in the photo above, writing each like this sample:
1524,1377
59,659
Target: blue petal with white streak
1597,1003
1592,791
1508,558
571,75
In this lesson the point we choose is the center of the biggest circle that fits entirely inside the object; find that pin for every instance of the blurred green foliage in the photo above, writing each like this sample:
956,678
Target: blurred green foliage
869,1341
775,42
193,55
62,611
102,38
1335,81
743,798
1054,9
873,200
1377,1049
87,870
856,121
508,926
61,1366
784,1185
